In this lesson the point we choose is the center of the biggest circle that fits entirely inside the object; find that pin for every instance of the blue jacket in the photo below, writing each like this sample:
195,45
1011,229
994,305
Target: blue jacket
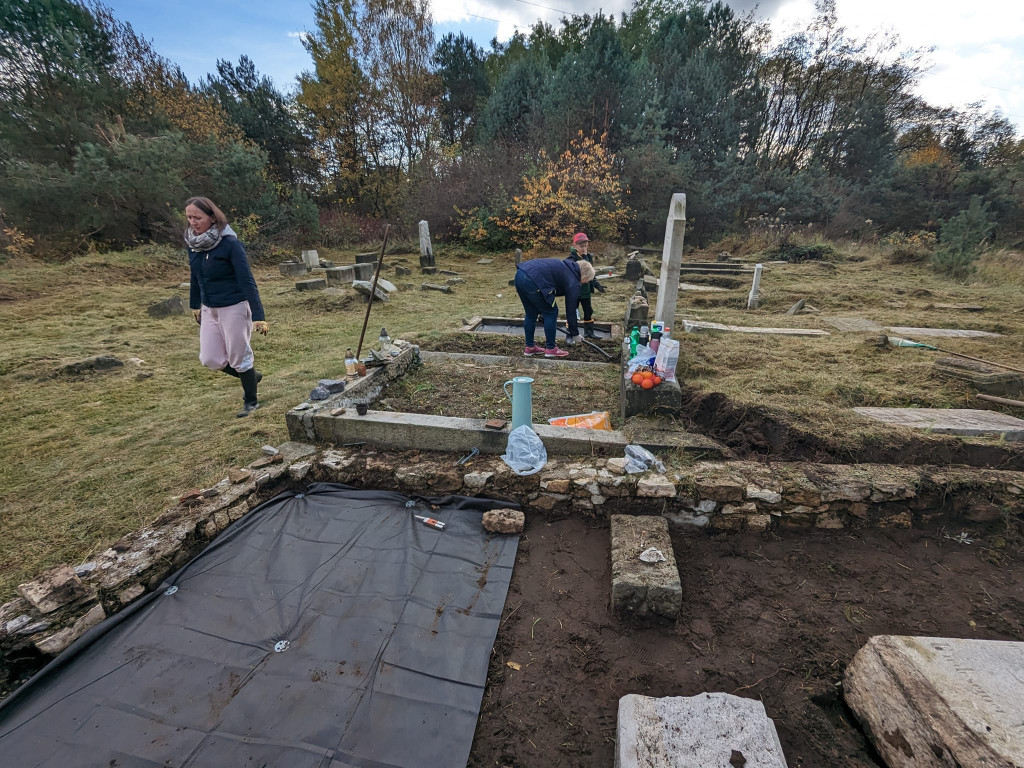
556,277
222,277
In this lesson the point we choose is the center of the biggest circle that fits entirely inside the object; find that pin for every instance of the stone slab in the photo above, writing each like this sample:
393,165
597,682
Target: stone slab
934,701
697,326
364,287
853,324
985,378
942,333
311,259
316,284
429,432
366,258
697,288
340,275
364,271
293,268
711,730
644,589
967,422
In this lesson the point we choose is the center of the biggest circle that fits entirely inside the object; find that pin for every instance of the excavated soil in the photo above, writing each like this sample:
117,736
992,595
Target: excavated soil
754,432
766,617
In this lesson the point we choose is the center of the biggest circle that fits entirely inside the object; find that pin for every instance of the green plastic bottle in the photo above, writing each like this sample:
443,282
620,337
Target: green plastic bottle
634,339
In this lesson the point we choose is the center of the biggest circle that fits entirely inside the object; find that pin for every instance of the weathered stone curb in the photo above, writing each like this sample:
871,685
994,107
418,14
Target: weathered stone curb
644,589
61,604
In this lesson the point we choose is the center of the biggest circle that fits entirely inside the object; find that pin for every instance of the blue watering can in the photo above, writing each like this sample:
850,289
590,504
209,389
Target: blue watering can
521,399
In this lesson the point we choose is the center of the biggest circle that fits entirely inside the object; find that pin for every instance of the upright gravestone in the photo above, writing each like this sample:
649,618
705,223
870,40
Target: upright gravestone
426,251
671,259
754,298
519,256
311,259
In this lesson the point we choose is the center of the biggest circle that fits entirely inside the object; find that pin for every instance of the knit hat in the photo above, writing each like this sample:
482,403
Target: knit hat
580,237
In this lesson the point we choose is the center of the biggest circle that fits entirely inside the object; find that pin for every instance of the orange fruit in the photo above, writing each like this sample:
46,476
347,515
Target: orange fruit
647,384
647,375
637,378
657,380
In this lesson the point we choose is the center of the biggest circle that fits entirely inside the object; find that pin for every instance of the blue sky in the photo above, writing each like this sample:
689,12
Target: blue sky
979,45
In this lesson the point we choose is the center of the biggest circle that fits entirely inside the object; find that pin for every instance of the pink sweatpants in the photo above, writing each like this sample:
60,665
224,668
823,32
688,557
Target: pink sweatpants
224,335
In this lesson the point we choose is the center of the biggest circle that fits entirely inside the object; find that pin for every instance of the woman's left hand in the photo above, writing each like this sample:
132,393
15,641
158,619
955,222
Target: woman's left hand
261,326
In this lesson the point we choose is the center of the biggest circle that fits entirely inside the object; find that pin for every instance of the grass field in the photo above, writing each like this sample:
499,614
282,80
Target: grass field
85,460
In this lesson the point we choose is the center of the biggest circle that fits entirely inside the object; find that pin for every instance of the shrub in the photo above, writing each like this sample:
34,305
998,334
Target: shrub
479,229
909,248
796,252
962,239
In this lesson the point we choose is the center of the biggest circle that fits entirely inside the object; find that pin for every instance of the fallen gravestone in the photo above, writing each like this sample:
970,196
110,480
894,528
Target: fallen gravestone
451,272
340,275
648,586
696,288
365,286
399,271
366,258
696,326
966,422
293,268
316,284
985,378
943,333
484,261
455,281
428,270
796,307
89,365
363,271
435,287
710,730
387,285
936,702
166,308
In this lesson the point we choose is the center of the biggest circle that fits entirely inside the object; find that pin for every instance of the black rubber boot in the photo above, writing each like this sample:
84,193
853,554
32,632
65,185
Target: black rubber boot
588,329
232,372
249,380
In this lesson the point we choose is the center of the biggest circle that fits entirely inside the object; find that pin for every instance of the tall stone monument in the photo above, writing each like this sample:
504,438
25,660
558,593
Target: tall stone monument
426,251
671,259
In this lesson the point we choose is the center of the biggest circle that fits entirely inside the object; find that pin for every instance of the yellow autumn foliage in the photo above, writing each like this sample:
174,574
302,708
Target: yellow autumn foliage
576,191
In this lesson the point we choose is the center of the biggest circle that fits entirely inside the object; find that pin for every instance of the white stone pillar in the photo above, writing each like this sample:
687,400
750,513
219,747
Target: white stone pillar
426,251
755,290
671,259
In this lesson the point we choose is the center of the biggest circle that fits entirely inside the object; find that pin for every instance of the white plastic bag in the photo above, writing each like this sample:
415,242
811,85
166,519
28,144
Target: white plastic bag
525,454
666,359
640,460
644,358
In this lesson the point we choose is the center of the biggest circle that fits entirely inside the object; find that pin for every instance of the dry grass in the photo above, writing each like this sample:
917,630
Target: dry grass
84,461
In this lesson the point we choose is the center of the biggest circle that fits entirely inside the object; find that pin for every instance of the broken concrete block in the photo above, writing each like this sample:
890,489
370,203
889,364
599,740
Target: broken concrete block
316,284
711,729
293,268
56,588
340,275
639,588
504,520
364,271
939,702
365,286
655,486
366,258
435,287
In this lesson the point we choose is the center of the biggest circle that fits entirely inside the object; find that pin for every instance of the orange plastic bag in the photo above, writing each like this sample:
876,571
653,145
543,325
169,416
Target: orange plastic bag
592,420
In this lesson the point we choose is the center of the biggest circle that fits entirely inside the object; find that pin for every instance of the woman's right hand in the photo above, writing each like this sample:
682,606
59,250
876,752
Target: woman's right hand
197,315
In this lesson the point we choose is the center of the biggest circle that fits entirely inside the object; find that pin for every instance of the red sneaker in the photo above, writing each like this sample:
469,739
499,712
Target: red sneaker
531,351
556,352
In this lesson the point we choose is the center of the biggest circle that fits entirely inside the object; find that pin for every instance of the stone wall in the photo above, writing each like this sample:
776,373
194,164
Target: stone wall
66,601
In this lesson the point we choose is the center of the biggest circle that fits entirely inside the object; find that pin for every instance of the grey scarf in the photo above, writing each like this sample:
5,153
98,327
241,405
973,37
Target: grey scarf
209,240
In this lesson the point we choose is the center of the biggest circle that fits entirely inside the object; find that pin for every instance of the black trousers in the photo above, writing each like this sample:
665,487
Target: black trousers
588,309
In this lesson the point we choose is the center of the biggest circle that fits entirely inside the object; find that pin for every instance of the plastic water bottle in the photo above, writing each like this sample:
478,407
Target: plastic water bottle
634,338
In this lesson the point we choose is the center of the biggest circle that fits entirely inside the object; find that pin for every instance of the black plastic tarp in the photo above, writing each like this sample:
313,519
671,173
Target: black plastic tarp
326,629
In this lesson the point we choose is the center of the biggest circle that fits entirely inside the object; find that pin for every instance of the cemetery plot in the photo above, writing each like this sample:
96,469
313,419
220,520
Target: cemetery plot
510,345
474,390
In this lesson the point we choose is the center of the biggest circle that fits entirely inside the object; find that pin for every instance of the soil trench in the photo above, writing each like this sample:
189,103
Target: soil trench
776,619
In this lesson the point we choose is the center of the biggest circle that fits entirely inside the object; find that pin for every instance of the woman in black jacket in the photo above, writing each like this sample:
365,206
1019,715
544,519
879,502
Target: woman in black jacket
224,299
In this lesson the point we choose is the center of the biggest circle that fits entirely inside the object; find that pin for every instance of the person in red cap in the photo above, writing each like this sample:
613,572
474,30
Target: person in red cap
580,251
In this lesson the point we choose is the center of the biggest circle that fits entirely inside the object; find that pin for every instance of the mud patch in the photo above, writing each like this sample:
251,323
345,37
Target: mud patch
776,619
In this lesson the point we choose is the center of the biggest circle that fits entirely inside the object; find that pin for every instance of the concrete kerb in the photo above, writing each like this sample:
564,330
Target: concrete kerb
540,363
475,323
